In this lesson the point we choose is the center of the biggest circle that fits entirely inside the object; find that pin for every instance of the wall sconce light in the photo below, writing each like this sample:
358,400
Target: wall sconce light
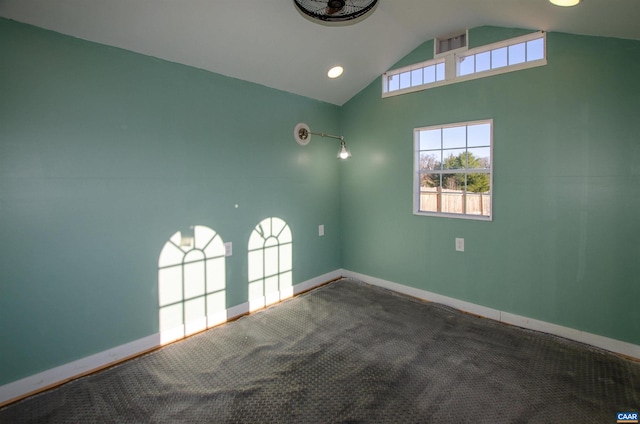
302,134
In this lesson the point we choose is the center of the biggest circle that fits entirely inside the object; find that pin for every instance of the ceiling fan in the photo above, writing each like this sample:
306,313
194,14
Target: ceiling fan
335,10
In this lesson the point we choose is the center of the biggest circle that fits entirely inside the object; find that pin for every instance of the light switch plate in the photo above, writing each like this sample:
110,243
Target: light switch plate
459,245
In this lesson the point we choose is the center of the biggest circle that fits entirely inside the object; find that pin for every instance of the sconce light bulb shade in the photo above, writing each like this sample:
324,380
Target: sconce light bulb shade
344,153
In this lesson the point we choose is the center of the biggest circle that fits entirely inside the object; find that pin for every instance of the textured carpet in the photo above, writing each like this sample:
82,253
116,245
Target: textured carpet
351,353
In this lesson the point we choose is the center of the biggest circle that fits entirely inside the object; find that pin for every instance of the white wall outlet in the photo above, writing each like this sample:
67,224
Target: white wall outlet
459,245
228,249
321,230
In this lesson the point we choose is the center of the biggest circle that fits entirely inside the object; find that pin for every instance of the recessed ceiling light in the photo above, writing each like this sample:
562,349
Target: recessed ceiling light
565,3
335,72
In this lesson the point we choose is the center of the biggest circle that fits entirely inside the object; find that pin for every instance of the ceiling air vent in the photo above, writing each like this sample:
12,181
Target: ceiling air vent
457,41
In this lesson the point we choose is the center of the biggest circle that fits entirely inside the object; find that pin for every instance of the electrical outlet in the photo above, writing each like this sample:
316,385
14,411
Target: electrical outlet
228,249
459,245
321,230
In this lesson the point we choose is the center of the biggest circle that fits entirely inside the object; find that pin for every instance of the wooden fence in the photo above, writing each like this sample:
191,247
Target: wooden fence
435,199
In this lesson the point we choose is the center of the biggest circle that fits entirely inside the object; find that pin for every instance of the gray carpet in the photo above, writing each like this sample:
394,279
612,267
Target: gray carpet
351,353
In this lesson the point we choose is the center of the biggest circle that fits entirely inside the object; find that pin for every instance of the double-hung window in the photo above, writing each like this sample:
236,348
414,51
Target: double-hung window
453,170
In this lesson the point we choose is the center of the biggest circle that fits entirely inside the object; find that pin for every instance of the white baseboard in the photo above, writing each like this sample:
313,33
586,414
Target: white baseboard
315,282
35,383
66,372
613,345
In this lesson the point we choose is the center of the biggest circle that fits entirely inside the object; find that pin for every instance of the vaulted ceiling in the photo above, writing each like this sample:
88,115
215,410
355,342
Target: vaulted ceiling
270,43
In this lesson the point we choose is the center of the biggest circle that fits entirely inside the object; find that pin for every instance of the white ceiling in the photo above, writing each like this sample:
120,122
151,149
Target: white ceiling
268,42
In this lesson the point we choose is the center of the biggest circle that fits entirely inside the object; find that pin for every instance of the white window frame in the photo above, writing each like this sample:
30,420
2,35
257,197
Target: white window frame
503,69
452,58
417,174
386,77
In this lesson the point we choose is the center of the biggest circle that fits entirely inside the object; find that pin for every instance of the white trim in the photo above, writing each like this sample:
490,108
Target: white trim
66,372
32,384
613,345
317,281
508,42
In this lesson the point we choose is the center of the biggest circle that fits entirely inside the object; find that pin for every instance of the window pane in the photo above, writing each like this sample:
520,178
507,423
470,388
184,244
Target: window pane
479,157
517,54
440,71
430,160
416,77
479,135
498,58
483,61
454,159
478,204
466,65
535,49
405,80
393,83
430,193
430,139
478,183
429,74
454,137
452,193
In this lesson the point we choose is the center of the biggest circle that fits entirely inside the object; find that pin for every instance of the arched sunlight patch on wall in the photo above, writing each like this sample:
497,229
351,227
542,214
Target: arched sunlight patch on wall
191,283
270,263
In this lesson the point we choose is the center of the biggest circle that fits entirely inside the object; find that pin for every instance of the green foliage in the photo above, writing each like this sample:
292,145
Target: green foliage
475,182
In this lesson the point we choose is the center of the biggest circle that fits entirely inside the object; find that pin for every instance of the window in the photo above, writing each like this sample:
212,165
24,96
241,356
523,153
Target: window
191,284
462,65
517,53
270,263
419,75
453,170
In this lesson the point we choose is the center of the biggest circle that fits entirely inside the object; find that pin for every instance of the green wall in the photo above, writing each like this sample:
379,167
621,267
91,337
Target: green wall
564,243
104,154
